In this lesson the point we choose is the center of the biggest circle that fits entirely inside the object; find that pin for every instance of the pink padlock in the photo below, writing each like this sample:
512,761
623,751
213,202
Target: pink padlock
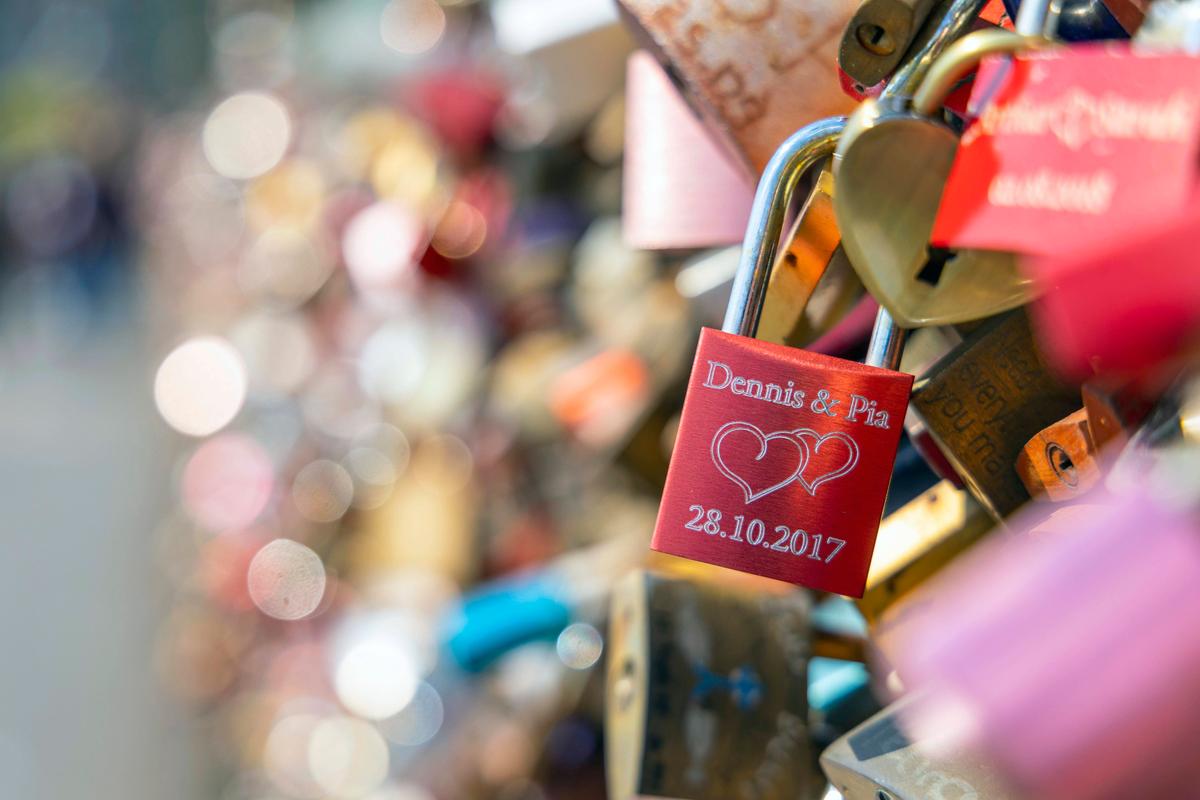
682,190
1071,660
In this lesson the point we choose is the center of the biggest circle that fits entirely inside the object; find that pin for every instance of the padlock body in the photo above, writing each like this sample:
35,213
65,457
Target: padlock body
706,694
782,462
984,400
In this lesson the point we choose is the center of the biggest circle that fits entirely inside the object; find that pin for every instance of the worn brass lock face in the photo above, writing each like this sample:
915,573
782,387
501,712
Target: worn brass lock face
878,36
984,400
1060,462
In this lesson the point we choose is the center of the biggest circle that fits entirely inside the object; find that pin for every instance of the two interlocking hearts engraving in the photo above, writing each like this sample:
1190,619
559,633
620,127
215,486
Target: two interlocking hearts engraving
807,443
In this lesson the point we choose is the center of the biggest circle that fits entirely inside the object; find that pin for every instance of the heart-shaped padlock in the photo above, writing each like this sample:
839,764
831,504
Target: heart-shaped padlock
891,167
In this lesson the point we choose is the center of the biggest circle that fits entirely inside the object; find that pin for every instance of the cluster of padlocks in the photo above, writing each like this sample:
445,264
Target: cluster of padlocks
1010,203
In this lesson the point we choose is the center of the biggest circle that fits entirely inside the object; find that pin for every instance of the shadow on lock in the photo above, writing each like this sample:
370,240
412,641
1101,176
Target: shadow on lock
891,166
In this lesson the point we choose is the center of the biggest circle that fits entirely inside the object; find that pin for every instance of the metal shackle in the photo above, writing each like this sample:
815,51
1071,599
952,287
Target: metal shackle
803,150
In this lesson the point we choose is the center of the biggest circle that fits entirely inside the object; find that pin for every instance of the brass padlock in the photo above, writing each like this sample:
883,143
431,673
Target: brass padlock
891,165
706,692
1059,462
878,36
984,400
918,539
812,284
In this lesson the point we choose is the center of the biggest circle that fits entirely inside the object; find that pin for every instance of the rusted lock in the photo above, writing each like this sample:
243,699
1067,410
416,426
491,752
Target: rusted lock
783,457
706,692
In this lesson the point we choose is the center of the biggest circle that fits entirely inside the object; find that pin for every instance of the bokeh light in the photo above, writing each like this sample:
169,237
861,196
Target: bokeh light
579,645
461,231
246,135
286,580
278,349
284,268
412,26
227,482
323,490
419,720
381,246
285,755
376,678
200,386
347,757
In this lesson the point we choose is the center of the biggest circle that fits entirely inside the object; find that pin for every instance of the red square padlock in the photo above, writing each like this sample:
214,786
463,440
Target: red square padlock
782,462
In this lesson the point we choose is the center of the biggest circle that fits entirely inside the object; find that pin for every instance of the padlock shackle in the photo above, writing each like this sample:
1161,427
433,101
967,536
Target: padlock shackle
960,58
887,342
803,150
950,21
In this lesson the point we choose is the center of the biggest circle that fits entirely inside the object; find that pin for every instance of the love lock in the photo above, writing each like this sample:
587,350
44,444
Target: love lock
783,457
891,167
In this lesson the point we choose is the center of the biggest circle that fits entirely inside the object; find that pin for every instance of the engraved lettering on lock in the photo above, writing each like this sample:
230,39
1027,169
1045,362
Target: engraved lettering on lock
1048,190
873,415
822,404
951,407
721,376
747,16
1076,118
738,106
711,383
982,447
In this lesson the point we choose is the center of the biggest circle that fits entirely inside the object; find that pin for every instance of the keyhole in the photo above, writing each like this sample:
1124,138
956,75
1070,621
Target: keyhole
625,686
935,264
875,39
1062,464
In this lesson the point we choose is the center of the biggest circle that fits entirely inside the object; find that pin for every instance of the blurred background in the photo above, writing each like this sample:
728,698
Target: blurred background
316,328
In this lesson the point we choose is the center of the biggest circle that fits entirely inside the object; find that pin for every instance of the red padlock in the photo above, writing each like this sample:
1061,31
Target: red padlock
784,456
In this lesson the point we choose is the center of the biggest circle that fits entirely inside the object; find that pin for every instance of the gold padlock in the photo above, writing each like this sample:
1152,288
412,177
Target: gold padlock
891,165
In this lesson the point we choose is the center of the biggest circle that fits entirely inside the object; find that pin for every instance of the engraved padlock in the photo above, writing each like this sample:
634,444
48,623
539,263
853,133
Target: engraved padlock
891,166
984,400
783,456
706,692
